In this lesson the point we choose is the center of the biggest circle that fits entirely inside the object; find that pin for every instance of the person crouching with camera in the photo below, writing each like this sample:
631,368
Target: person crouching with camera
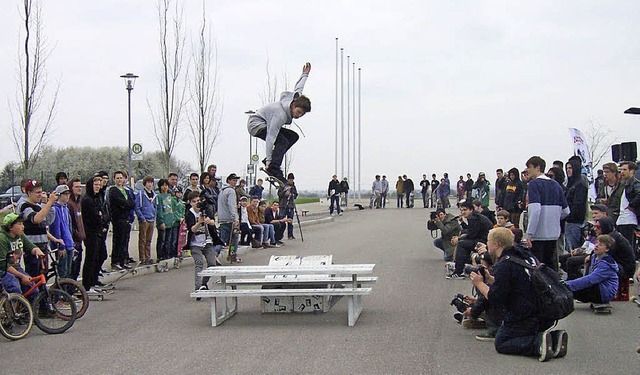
522,331
493,313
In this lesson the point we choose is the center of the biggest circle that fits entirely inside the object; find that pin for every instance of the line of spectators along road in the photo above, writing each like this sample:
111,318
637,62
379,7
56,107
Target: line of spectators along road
597,256
203,217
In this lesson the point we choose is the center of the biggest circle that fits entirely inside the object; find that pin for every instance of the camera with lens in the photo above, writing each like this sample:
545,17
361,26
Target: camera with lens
433,215
480,269
202,205
459,303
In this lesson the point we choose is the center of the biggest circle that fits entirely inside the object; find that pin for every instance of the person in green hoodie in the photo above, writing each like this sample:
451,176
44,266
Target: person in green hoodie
13,240
178,212
165,219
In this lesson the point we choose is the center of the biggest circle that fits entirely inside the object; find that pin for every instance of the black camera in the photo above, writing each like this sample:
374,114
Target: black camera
459,303
433,215
477,269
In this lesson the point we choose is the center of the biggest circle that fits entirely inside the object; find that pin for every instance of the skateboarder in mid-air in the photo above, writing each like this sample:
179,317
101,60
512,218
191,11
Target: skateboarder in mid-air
267,124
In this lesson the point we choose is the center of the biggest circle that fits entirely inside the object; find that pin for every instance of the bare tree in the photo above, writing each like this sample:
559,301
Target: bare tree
599,138
31,127
205,109
166,115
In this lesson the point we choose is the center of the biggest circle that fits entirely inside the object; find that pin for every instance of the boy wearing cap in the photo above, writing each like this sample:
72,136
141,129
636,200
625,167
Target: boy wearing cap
60,229
13,239
267,123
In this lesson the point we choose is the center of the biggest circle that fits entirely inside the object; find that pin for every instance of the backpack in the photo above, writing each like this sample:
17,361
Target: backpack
554,300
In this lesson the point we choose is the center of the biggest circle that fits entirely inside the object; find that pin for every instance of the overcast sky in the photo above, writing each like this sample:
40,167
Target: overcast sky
455,86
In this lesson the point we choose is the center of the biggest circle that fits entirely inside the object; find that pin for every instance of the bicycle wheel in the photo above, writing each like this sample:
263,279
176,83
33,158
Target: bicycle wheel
16,316
54,311
77,292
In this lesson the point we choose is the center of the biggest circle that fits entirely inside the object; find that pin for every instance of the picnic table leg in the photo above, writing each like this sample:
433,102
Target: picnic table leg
354,309
214,313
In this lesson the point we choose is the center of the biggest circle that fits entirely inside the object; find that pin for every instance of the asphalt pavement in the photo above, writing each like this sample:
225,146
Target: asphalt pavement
150,325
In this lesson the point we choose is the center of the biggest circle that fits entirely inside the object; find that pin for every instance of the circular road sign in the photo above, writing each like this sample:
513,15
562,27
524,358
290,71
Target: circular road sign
136,148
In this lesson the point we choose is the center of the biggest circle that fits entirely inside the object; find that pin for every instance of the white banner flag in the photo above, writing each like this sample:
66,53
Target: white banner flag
581,148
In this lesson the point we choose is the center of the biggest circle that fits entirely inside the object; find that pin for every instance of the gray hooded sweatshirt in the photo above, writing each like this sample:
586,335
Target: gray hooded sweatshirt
275,115
227,205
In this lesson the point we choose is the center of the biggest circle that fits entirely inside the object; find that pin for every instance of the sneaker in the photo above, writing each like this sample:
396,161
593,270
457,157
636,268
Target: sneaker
275,245
474,324
291,238
202,287
126,266
458,317
486,336
117,267
340,214
279,243
456,276
546,347
92,290
131,260
560,339
266,245
100,284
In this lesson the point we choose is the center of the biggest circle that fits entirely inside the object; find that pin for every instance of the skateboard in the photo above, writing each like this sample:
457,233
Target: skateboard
100,294
232,255
604,308
123,273
272,179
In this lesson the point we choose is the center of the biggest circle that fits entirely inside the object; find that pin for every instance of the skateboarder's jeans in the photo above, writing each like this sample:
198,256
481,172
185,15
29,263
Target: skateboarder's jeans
590,294
200,254
285,139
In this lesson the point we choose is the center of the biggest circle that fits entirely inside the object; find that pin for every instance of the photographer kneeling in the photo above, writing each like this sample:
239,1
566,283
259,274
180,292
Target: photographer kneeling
493,313
522,331
449,227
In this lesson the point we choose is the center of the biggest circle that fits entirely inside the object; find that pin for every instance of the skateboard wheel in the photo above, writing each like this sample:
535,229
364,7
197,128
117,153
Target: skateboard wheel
100,298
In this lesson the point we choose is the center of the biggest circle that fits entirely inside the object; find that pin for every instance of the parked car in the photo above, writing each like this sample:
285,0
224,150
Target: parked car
11,195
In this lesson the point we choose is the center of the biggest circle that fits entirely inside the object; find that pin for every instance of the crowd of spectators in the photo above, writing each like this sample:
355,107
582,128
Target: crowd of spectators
210,214
542,216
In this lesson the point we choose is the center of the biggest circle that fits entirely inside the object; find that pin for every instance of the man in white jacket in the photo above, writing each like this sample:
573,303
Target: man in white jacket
268,121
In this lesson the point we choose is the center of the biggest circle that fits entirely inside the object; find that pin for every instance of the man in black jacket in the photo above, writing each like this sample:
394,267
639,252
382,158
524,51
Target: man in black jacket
576,194
522,331
408,190
120,207
475,230
333,192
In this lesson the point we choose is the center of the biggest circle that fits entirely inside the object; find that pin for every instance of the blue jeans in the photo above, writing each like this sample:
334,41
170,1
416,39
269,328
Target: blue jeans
572,236
400,200
164,243
269,234
64,264
335,202
12,284
521,337
225,234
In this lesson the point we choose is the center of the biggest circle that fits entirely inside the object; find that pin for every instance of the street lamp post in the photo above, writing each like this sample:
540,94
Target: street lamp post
252,177
129,81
